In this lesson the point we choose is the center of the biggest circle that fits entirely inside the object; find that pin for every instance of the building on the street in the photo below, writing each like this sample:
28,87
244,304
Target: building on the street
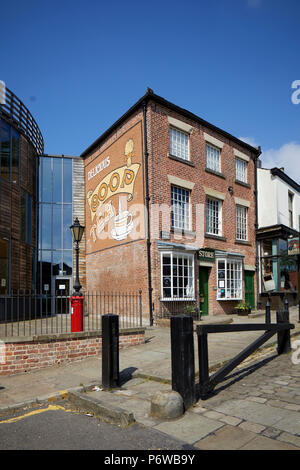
20,144
61,199
278,237
171,209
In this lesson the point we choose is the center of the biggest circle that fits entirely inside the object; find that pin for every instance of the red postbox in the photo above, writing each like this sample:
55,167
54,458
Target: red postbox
77,313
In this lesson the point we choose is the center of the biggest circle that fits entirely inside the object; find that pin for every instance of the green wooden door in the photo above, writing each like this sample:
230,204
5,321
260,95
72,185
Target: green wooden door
249,288
203,290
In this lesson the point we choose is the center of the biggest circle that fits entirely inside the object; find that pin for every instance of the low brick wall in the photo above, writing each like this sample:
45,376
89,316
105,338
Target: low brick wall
25,354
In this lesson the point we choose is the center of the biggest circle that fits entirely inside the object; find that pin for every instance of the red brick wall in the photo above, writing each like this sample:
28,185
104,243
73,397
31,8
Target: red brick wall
26,356
160,165
125,267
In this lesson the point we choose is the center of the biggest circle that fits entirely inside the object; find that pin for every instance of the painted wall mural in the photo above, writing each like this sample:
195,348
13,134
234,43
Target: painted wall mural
115,193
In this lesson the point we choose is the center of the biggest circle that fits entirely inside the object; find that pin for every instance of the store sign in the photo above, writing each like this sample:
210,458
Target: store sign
206,254
293,246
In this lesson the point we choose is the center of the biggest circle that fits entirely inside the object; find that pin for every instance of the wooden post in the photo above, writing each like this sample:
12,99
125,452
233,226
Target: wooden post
182,356
110,351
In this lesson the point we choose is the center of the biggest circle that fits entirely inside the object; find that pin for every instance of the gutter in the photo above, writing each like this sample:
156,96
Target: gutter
144,105
258,303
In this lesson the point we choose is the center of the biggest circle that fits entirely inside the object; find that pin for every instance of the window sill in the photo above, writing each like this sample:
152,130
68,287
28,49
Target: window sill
184,232
181,160
243,242
230,300
217,173
189,299
215,237
246,185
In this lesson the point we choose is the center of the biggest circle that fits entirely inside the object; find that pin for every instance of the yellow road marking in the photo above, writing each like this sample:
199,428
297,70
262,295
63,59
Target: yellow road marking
35,412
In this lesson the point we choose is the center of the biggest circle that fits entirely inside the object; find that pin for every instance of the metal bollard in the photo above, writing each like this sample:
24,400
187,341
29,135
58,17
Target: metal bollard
182,356
299,311
268,312
110,351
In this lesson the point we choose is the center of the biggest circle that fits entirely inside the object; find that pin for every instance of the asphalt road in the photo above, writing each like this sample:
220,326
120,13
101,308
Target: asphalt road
57,426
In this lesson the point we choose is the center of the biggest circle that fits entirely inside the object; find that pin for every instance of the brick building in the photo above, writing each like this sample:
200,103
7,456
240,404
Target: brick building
171,210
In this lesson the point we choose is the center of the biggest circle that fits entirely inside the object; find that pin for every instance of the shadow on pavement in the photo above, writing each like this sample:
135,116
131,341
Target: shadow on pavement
236,377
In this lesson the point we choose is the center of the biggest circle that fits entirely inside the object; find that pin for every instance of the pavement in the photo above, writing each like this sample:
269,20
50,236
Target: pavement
257,406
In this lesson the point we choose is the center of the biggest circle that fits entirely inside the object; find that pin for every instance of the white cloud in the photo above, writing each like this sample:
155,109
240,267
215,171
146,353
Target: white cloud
250,141
287,156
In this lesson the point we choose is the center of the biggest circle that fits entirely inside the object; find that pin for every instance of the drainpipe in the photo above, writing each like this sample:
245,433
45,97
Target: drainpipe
148,214
256,227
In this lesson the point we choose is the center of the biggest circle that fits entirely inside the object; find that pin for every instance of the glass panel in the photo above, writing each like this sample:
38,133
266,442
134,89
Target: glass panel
67,222
67,183
288,274
46,271
283,247
57,180
68,262
57,262
46,226
46,181
57,226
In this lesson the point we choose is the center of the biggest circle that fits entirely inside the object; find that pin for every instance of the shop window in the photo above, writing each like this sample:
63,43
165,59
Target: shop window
230,279
177,276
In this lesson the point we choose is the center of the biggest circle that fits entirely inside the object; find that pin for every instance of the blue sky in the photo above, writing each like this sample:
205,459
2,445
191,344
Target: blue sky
79,66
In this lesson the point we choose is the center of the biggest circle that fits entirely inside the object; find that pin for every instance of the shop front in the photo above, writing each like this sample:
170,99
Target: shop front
279,266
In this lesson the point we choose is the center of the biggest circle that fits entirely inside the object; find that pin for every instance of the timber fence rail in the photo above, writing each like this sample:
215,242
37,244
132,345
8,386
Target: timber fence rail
27,313
281,328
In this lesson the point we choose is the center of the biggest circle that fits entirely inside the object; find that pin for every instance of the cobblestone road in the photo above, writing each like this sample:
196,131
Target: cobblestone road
259,406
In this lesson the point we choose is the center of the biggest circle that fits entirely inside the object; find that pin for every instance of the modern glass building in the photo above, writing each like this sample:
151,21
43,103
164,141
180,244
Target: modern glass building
57,188
20,144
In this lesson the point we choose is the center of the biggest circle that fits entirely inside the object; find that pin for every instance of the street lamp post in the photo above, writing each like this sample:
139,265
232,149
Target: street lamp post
77,232
77,297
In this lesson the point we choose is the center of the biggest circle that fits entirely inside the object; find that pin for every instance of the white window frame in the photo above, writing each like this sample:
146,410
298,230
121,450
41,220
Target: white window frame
241,232
181,208
241,170
211,153
230,279
209,202
189,289
179,143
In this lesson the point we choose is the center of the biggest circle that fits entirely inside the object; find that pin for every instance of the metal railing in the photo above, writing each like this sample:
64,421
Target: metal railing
169,308
13,109
25,313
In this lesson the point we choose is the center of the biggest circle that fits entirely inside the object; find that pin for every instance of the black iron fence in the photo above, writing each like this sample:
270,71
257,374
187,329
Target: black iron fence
169,308
25,313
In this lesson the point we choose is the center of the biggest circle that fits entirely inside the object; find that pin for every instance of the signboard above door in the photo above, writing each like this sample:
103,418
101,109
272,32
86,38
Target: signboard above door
206,254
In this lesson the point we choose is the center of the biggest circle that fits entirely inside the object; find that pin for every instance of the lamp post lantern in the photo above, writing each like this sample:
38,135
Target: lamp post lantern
77,232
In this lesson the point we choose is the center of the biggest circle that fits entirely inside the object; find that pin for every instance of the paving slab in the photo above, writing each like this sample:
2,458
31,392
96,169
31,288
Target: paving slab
226,438
190,428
